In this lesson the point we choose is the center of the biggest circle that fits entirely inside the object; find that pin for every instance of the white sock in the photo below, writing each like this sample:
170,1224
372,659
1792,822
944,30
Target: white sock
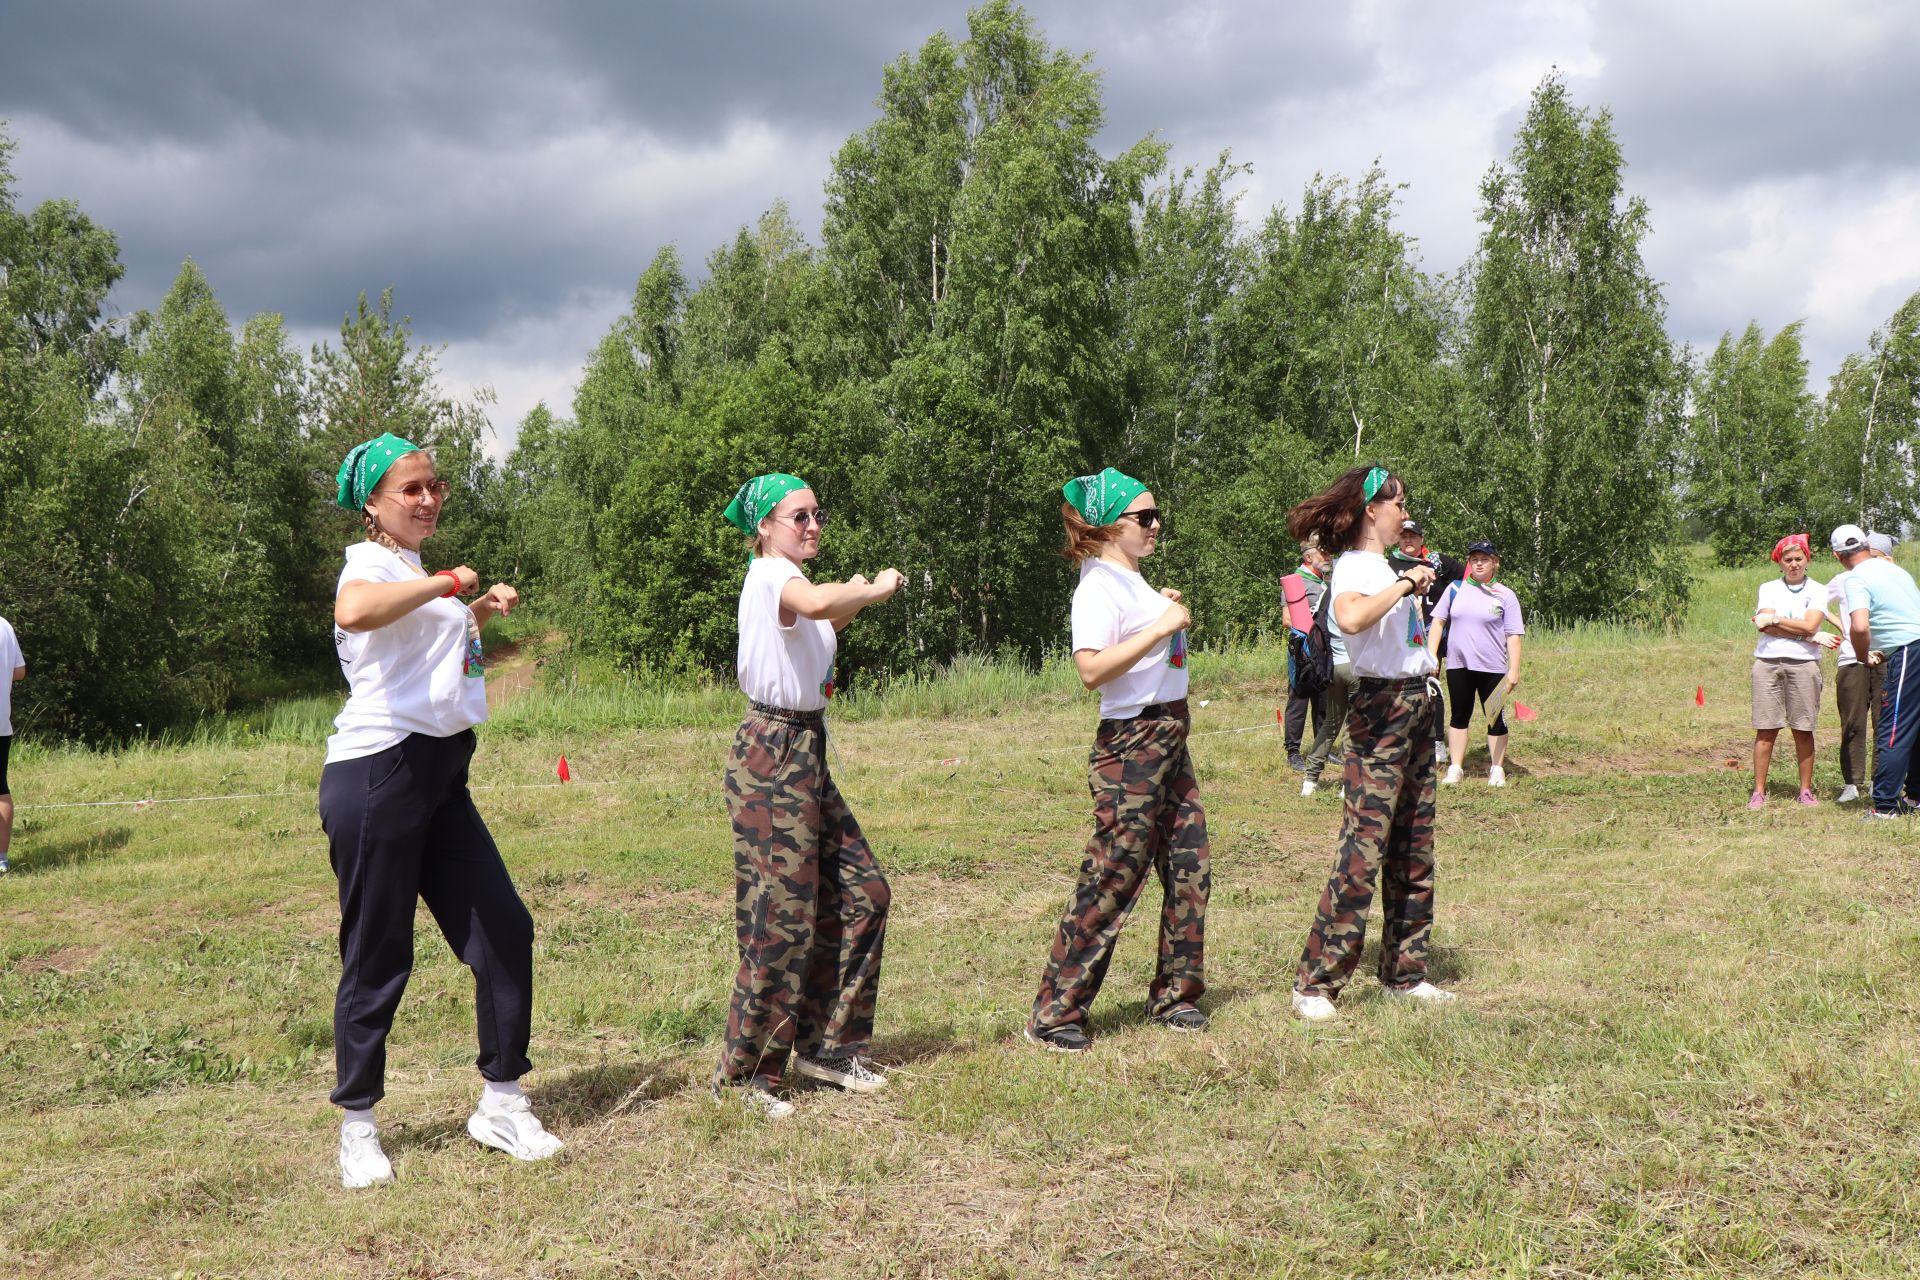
498,1092
360,1113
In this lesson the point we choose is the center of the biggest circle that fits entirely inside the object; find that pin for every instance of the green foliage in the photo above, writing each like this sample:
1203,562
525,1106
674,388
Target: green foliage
995,305
1750,465
1567,448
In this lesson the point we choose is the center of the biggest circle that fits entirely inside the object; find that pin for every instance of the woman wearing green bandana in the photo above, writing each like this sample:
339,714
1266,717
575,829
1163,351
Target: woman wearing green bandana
401,826
811,902
1386,828
1130,643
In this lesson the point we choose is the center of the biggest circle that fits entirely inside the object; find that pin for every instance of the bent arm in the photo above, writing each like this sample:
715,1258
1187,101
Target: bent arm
368,606
834,602
1355,612
1098,666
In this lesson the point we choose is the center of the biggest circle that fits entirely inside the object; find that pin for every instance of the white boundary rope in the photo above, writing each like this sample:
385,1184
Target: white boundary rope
148,802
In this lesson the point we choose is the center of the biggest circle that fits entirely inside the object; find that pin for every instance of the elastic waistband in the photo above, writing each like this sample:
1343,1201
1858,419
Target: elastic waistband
1381,684
1175,710
808,719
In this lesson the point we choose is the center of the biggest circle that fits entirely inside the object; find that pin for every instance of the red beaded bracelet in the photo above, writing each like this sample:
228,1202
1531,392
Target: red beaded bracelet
454,590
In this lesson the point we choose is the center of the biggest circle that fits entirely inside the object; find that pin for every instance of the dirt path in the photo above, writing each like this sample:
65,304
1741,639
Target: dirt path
514,666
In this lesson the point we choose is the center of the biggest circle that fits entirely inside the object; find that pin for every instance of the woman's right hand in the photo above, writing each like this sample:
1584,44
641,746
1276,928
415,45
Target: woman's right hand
888,581
1174,619
1421,576
469,580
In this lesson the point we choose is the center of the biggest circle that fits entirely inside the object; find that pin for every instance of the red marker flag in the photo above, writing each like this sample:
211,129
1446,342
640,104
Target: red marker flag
566,774
1699,695
1280,714
1521,711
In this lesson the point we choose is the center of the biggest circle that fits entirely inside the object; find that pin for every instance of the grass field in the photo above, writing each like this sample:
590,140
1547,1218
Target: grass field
1686,1045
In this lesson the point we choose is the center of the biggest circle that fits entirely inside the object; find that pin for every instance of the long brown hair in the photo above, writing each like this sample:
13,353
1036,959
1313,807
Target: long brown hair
1334,516
1084,541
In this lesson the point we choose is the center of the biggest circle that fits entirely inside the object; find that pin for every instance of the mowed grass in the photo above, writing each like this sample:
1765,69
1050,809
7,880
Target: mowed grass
1685,1046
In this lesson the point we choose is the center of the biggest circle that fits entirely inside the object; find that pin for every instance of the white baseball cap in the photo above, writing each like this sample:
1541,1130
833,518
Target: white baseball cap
1848,538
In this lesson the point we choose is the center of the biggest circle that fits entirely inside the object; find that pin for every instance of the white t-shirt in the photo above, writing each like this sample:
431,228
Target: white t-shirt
1837,605
1789,602
787,667
1394,647
1113,604
9,659
417,674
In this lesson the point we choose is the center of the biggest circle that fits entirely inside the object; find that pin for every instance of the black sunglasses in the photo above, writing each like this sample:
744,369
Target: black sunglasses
1147,516
801,518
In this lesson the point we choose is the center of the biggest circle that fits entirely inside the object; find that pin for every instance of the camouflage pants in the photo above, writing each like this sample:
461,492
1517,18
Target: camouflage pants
1146,812
810,904
1386,835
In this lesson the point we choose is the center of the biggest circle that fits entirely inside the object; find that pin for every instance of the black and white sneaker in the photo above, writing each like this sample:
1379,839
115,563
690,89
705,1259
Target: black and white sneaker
1061,1039
1183,1018
852,1072
1296,762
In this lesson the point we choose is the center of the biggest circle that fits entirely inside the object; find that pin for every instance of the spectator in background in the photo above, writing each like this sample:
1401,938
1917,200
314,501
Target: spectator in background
1856,684
12,667
1313,576
1786,665
1483,617
1881,544
1411,550
1883,623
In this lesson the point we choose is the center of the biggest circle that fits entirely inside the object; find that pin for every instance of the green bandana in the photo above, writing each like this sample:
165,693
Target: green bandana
758,497
1371,485
1100,499
364,466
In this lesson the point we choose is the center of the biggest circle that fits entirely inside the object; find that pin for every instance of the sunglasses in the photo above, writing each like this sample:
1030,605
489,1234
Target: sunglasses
417,490
816,517
1147,516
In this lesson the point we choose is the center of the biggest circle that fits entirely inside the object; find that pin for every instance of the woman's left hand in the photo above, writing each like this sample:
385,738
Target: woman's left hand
1513,681
500,599
1827,642
1170,594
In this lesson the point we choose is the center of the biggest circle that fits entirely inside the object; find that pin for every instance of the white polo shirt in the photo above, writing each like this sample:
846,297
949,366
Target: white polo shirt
417,674
9,659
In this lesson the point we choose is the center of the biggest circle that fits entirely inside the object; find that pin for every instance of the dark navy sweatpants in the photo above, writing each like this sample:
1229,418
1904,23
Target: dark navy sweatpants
401,826
1896,765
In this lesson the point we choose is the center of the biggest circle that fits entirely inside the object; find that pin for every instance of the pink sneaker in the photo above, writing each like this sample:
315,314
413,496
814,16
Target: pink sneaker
1807,797
1759,800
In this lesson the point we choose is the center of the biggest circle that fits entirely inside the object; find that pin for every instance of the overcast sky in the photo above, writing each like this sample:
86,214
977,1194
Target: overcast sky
511,168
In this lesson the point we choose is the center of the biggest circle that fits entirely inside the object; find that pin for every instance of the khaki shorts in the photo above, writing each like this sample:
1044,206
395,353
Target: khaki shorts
1786,693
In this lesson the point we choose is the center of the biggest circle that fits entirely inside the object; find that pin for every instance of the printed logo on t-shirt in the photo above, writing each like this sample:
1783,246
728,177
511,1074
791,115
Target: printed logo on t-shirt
1416,630
470,665
1177,650
826,686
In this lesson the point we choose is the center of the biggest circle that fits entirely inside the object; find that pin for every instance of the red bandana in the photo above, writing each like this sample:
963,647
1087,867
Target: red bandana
1799,540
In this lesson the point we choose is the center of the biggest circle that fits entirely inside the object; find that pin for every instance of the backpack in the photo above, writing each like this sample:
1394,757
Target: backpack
1309,651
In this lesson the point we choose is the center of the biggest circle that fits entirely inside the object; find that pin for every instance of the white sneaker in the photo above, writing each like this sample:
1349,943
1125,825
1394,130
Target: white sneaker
851,1073
513,1128
1313,1008
1423,991
1496,777
1440,753
362,1162
1453,776
1848,794
1308,786
764,1104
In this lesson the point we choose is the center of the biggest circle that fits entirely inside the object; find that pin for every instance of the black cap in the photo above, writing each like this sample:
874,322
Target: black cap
1411,526
1482,548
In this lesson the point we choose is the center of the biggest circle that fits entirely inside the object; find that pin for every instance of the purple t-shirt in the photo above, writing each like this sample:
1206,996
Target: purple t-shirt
1479,620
